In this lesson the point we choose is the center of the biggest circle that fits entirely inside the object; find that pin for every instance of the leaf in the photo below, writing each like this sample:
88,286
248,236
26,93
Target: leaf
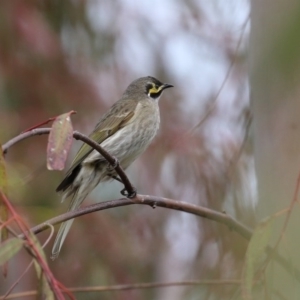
59,141
254,255
44,289
3,188
9,248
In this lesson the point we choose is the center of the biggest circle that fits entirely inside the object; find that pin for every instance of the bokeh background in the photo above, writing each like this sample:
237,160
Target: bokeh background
57,56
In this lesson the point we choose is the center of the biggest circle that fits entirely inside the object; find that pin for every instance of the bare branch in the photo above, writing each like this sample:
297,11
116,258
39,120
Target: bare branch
153,201
23,136
147,285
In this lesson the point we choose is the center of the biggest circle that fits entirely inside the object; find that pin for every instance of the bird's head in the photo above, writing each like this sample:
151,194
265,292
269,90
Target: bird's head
149,86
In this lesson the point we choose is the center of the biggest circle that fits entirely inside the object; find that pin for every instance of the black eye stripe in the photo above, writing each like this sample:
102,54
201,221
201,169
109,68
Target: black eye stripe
155,95
149,87
152,88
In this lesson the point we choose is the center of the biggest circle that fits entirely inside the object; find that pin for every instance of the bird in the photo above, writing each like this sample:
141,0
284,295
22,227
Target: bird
124,131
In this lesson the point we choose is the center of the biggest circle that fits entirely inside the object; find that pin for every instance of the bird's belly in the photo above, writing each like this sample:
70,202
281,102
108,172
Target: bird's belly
129,142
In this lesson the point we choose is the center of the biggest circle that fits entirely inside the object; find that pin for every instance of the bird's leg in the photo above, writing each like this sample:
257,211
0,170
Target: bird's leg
124,191
115,177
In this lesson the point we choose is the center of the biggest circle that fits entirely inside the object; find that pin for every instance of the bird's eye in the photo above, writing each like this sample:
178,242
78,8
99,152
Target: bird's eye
149,87
153,90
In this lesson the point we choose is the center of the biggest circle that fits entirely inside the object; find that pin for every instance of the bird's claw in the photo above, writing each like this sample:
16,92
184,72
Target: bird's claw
114,165
130,195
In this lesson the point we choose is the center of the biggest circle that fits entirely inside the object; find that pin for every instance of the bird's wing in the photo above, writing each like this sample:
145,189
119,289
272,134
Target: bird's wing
116,118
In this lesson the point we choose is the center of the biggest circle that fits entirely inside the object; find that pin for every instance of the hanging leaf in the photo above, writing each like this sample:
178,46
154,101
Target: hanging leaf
60,141
9,248
255,254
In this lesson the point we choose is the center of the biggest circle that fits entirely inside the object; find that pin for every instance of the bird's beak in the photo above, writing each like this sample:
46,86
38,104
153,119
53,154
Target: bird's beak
166,86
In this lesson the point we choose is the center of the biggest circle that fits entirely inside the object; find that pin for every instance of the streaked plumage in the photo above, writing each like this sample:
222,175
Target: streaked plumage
125,131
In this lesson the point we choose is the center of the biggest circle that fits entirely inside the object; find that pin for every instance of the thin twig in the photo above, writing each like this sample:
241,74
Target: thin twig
214,102
137,286
6,296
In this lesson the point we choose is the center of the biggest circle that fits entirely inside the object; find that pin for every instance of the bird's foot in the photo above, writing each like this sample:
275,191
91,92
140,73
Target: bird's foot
130,195
114,165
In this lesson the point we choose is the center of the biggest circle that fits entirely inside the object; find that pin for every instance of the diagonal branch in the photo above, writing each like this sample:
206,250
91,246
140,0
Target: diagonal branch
78,136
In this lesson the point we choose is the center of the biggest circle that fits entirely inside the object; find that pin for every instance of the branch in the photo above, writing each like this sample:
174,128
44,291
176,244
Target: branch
153,201
78,136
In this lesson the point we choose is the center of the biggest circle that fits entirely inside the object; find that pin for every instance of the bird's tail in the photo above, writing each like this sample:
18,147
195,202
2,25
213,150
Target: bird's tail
89,179
77,199
60,238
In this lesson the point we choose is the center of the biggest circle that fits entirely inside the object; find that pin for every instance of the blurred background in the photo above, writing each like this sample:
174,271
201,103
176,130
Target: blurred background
57,56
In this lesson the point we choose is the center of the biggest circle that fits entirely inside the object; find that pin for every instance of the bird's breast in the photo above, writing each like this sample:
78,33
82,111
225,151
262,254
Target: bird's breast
132,140
147,118
139,133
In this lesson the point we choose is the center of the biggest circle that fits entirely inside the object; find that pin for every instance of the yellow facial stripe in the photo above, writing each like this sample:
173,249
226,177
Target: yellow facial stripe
155,89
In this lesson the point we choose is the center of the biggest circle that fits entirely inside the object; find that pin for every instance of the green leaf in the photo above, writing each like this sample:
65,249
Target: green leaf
255,254
59,142
44,289
9,248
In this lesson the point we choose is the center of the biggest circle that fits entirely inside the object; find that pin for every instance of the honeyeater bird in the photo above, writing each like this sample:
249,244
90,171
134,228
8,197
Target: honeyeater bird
125,131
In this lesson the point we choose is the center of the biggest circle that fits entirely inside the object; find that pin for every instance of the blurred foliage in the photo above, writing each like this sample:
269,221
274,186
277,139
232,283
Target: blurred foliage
57,56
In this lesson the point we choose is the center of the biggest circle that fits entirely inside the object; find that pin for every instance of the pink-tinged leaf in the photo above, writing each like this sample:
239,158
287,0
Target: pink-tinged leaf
59,142
9,248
